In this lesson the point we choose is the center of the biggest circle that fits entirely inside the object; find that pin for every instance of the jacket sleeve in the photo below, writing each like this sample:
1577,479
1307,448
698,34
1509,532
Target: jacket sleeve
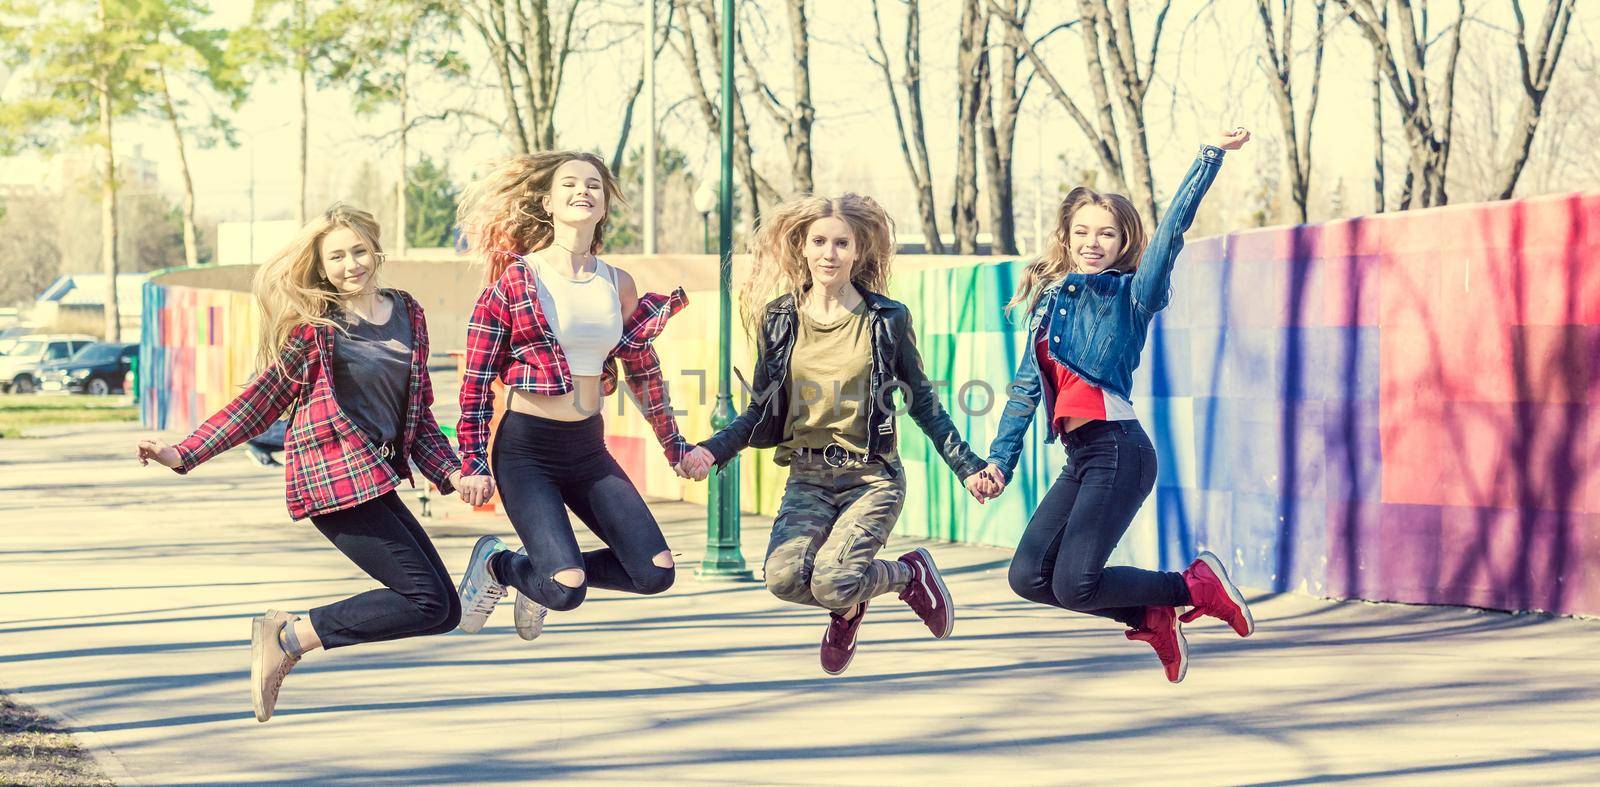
1022,402
488,348
735,437
431,450
928,411
642,370
1152,282
256,407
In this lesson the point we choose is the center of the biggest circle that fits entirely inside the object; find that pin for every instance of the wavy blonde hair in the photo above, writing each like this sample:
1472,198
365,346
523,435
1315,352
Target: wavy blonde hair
1056,261
501,215
781,235
290,287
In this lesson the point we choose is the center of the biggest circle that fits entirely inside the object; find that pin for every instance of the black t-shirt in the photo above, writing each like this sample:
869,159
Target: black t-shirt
372,372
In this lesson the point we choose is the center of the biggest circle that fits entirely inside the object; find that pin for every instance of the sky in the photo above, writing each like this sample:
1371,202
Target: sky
1208,79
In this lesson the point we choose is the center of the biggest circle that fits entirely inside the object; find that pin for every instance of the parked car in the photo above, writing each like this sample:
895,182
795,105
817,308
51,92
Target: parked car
97,369
19,369
10,334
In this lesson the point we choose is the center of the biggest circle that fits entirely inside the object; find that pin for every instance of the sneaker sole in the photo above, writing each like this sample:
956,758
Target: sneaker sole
258,639
461,587
1215,563
944,592
1183,649
257,700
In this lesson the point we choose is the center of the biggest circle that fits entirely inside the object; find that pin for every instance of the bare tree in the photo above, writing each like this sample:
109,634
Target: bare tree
1377,121
798,116
1002,103
1427,125
1538,68
1112,54
972,72
196,55
1278,41
665,35
756,188
913,142
529,45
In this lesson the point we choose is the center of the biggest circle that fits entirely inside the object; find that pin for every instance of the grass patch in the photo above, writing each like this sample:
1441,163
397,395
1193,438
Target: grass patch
19,412
35,750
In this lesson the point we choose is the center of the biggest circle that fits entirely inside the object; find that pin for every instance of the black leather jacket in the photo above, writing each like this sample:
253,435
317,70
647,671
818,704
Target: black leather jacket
895,364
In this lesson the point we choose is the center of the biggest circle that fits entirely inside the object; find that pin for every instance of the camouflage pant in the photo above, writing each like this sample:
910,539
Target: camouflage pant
829,528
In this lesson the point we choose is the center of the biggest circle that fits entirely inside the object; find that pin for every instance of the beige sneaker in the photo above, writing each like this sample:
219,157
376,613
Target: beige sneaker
528,614
269,664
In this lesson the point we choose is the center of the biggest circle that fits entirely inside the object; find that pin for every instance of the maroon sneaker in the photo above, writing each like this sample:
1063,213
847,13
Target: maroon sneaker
926,594
839,641
1162,631
1212,593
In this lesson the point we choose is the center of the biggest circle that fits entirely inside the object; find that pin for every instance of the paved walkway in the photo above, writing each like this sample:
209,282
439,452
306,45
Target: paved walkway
126,595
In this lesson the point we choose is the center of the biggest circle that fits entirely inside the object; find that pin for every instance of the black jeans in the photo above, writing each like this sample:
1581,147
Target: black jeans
385,540
1061,559
543,467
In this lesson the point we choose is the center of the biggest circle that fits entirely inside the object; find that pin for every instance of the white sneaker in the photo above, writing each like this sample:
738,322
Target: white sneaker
479,590
529,614
269,663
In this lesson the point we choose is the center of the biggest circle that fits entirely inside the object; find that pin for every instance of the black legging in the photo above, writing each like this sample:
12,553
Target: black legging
1061,559
542,467
385,540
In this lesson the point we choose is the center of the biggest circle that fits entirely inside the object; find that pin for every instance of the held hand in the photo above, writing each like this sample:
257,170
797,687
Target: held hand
979,487
986,484
475,489
165,455
996,478
1233,140
454,479
697,464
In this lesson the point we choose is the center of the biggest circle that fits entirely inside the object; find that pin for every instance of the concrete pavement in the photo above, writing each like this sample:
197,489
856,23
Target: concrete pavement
127,591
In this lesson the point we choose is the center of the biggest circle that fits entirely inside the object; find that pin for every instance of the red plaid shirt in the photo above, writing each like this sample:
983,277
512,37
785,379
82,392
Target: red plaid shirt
331,464
509,338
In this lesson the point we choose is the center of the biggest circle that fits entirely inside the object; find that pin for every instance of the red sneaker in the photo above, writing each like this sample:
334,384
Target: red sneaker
839,641
1214,594
926,594
1162,631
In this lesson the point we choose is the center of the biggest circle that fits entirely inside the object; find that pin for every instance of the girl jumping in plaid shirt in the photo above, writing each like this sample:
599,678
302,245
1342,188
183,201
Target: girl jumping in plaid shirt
551,325
350,360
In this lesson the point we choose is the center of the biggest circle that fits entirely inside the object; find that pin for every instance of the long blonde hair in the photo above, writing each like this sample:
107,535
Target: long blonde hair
501,213
781,235
290,287
1056,261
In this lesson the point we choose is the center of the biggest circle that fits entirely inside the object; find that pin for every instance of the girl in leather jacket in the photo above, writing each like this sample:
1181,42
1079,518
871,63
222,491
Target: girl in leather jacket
832,350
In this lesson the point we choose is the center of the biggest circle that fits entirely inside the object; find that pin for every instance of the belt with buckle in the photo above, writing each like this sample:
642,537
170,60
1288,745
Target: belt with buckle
834,455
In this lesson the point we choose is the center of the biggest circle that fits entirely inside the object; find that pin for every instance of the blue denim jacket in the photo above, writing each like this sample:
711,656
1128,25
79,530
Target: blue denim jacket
1097,323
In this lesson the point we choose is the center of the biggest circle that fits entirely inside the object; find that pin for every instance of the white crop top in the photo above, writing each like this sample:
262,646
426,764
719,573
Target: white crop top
586,315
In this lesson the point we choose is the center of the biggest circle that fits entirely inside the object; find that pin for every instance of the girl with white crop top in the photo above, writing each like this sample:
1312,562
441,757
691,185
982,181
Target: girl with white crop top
552,324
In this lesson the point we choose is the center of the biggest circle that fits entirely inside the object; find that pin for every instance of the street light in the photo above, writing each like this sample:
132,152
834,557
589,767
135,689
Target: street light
705,201
723,560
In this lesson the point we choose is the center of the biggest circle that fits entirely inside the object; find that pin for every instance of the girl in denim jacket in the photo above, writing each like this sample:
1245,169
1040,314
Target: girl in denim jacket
1091,298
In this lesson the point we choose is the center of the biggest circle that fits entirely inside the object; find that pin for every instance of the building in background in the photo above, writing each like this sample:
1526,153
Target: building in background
76,303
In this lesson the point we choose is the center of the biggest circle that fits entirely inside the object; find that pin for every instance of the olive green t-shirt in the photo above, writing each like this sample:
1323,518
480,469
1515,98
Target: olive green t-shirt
829,371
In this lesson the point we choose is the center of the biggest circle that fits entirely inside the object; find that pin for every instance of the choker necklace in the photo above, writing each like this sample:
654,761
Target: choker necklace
593,272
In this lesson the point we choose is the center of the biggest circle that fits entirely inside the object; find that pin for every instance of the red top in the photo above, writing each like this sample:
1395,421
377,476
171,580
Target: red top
330,463
1076,397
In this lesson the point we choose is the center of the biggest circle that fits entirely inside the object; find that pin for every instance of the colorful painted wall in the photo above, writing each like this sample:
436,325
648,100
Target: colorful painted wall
1403,407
